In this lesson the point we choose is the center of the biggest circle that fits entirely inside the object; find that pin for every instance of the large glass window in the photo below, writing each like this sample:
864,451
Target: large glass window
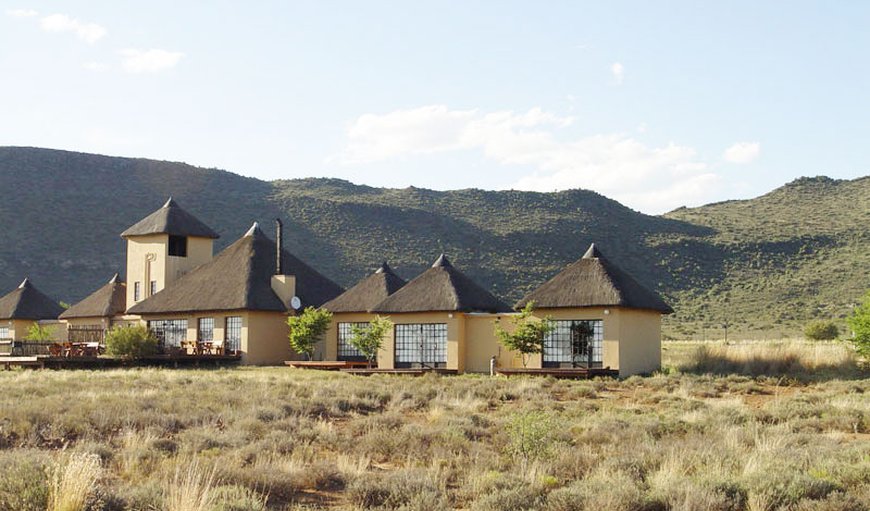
205,330
421,345
233,334
178,246
574,343
4,333
169,332
345,333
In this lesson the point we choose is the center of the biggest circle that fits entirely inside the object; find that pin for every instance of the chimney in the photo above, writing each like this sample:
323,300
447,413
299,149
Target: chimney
279,247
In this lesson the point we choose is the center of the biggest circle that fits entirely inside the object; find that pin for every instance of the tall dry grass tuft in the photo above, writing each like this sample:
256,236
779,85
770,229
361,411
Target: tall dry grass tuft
793,358
190,489
73,481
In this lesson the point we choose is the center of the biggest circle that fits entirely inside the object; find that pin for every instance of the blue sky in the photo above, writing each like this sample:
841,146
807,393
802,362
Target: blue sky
655,104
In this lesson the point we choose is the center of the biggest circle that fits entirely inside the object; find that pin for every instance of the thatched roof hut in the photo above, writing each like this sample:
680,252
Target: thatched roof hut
239,278
171,220
368,293
27,302
441,288
594,281
110,300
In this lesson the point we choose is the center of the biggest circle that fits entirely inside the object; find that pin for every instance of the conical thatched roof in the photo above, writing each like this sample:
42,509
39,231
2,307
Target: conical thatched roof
368,293
441,288
594,281
108,301
239,278
172,220
27,302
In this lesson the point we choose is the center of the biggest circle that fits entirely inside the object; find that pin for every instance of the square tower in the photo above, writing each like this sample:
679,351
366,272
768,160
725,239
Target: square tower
162,247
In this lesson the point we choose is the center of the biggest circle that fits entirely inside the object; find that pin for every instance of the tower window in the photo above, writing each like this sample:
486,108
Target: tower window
178,246
137,291
153,289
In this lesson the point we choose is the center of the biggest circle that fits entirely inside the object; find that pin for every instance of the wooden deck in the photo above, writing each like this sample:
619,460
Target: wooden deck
576,373
326,365
50,362
406,372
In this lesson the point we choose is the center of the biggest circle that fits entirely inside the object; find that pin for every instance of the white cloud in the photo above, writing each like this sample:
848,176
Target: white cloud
88,32
742,152
148,61
618,71
654,179
95,66
22,13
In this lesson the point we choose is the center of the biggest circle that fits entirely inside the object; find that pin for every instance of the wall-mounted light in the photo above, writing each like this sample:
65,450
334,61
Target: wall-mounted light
606,312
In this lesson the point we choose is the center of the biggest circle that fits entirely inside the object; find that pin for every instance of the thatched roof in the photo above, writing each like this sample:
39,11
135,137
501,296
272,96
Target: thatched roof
172,220
368,293
594,281
108,301
239,278
27,302
441,288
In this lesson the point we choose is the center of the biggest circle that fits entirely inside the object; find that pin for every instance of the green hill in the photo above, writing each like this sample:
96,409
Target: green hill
763,264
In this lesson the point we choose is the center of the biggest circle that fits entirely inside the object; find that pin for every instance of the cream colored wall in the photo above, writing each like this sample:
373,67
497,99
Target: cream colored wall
199,252
481,343
264,339
640,342
20,327
148,259
455,337
327,349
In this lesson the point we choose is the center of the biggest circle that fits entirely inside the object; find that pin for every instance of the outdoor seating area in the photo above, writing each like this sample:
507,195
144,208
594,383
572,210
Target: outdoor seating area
202,347
76,349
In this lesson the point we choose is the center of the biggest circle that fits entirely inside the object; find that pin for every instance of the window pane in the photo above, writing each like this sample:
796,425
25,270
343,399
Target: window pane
233,334
421,344
205,329
169,332
345,333
575,343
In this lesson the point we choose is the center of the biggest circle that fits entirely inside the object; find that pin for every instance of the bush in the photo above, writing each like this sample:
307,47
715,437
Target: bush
133,342
859,322
821,331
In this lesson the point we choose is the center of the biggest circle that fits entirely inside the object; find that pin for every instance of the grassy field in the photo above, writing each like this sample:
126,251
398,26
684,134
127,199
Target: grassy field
754,426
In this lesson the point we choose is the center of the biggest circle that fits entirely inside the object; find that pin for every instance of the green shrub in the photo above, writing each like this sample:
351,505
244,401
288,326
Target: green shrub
23,481
307,329
132,342
821,331
859,322
530,435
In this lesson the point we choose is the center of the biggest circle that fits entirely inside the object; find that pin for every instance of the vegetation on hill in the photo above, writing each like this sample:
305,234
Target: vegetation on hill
769,264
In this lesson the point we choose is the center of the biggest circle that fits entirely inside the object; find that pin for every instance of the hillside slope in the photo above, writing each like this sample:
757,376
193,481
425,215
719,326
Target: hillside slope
797,252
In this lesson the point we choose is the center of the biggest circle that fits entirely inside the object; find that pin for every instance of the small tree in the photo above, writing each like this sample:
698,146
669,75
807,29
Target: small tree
859,322
528,333
132,342
39,333
369,338
821,331
308,328
530,434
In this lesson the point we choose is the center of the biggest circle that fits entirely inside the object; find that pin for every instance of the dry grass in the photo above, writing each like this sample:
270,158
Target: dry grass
190,489
813,360
73,481
279,439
